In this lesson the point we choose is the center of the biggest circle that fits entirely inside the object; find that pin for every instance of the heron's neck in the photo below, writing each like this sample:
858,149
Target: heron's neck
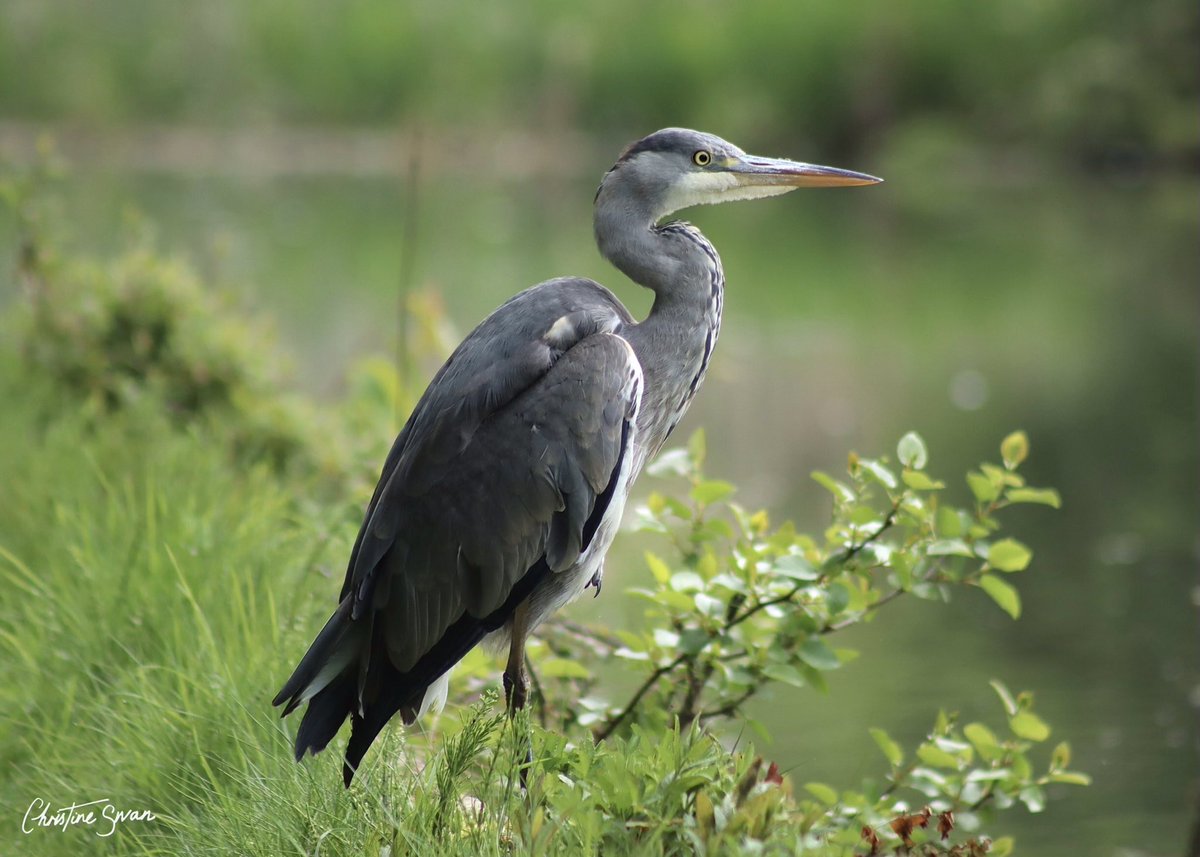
676,340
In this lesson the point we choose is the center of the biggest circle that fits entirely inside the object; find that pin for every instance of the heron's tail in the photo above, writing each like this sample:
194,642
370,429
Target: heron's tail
347,673
331,677
326,680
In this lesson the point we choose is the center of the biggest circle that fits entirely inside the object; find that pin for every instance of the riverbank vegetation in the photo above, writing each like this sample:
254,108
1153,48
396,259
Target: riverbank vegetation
173,528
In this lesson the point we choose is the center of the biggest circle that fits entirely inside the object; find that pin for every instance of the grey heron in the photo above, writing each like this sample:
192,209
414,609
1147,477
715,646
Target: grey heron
503,491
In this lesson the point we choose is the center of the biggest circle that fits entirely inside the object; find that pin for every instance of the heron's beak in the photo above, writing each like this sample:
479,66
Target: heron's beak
753,171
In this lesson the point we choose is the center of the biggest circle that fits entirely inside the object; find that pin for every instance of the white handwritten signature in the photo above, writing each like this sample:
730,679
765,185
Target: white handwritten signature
98,814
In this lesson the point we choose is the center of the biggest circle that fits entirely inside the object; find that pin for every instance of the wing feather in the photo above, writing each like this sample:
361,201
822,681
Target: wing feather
502,463
498,478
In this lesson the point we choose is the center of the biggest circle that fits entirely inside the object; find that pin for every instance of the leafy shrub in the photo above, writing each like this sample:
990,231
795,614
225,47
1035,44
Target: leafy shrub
739,605
198,569
143,329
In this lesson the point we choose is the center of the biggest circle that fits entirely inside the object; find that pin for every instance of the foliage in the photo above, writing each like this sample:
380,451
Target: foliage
740,606
743,605
143,330
178,577
150,579
1094,80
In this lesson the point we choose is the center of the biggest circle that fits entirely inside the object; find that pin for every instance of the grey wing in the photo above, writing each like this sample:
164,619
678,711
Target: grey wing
504,462
500,477
526,493
509,351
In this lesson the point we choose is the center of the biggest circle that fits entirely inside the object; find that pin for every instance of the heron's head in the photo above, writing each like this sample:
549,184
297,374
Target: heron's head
677,168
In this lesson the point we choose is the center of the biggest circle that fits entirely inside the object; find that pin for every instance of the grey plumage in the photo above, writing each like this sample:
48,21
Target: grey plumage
503,491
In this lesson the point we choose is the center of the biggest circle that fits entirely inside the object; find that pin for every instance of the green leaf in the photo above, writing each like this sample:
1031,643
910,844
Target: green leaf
1009,555
911,451
786,673
1045,496
817,654
982,487
890,748
666,639
949,523
686,581
710,606
825,794
838,489
950,547
693,640
631,654
984,740
1003,594
1002,847
953,746
713,529
796,567
704,815
730,582
863,515
562,668
677,508
630,639
989,775
1074,778
677,601
1026,724
936,757
880,473
919,481
1034,798
712,490
1021,769
1061,757
658,568
837,598
1014,449
673,462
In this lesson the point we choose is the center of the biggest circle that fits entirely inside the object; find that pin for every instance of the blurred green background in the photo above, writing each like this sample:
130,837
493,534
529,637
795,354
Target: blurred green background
1030,263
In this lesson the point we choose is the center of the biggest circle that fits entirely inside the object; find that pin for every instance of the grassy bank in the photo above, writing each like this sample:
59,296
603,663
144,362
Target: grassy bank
173,527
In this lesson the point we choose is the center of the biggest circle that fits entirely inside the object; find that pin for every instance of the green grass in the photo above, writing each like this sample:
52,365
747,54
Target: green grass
144,583
154,591
153,594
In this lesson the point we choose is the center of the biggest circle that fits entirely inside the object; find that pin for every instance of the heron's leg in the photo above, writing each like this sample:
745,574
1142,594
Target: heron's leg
516,683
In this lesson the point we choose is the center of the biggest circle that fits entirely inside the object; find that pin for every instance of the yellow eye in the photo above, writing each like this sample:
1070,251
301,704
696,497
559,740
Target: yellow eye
701,158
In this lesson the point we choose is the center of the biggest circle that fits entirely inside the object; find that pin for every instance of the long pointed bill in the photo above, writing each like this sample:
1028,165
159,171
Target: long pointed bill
751,171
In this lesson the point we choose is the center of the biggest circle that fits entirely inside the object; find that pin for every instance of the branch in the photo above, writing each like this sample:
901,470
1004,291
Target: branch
850,554
696,683
583,632
616,721
879,531
730,708
856,618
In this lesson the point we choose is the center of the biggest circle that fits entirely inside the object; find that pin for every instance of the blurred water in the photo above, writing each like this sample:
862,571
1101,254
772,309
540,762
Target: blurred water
964,310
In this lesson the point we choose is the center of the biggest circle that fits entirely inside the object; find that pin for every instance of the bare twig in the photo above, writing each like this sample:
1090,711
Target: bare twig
729,708
585,633
616,721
